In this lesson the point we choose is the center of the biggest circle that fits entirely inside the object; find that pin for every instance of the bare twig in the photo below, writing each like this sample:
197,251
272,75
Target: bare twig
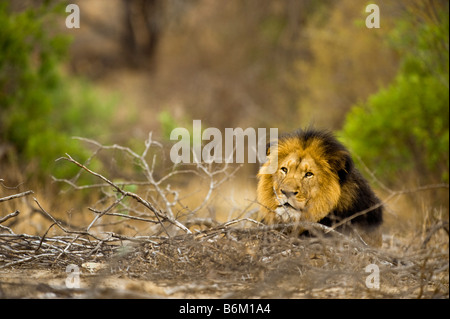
139,199
59,224
4,199
433,230
4,219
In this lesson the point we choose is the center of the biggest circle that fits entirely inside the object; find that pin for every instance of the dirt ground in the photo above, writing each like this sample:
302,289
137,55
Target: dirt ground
230,262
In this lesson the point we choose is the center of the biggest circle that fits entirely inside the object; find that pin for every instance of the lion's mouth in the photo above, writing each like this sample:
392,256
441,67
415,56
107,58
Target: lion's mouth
287,205
301,207
287,213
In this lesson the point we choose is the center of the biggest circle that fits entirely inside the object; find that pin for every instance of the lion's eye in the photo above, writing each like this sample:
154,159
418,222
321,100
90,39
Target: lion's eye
309,174
284,170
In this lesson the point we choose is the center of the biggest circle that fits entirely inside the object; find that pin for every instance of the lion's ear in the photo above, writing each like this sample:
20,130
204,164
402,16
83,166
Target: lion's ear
268,149
269,145
342,164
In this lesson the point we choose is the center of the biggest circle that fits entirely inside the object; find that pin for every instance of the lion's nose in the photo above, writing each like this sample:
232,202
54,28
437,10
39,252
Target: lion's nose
288,193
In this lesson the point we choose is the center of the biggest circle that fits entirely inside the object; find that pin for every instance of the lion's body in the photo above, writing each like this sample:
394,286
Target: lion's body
316,181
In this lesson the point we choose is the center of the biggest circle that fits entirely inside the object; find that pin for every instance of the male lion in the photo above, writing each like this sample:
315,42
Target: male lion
316,181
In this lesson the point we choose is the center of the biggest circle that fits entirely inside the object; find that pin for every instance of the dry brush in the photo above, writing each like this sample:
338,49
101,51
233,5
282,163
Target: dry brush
142,229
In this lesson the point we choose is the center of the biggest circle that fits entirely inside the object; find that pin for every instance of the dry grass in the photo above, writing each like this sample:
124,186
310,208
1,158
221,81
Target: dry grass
222,262
141,240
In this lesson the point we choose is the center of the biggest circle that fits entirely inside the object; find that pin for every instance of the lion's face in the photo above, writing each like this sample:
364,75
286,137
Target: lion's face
305,186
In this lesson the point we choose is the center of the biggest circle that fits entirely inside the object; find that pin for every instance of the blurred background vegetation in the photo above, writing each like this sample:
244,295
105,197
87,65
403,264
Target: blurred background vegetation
136,66
41,106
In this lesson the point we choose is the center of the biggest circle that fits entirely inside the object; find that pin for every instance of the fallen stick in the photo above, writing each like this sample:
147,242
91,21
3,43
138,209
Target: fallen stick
4,199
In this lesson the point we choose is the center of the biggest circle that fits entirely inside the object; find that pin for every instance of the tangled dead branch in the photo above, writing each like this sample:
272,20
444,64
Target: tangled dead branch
183,254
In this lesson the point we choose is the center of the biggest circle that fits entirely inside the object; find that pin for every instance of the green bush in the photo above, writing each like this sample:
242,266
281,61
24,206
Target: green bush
403,130
40,107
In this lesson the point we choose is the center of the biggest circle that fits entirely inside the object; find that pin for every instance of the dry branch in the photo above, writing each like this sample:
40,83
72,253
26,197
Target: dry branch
239,258
161,217
4,219
4,199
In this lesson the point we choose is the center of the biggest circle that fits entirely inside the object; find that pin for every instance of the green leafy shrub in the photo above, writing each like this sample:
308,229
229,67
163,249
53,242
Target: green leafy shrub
40,107
403,130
